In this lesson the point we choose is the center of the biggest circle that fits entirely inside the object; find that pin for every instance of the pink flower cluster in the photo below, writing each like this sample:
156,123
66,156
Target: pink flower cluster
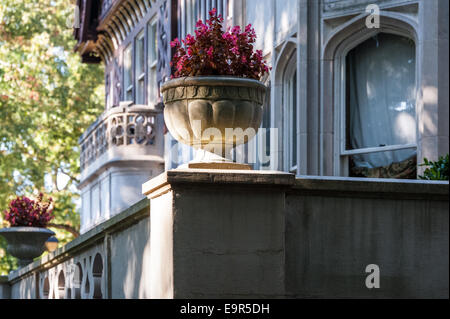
215,52
26,212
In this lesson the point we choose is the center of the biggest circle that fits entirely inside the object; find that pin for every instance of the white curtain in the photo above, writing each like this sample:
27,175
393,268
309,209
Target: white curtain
381,95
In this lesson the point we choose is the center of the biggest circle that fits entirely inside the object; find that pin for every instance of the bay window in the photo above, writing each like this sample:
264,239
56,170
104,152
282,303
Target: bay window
140,60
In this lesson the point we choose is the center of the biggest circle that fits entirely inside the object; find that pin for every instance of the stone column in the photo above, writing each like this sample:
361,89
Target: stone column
217,233
433,103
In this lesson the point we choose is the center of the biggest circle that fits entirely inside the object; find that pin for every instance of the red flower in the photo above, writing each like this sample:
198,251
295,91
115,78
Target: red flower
175,43
213,12
26,212
190,40
214,51
210,52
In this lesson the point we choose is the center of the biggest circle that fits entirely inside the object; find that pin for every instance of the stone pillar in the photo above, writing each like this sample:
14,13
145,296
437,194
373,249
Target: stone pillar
217,233
433,104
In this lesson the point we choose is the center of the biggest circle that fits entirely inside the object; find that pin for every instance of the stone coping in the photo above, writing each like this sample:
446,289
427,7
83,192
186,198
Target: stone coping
373,187
157,185
415,189
130,216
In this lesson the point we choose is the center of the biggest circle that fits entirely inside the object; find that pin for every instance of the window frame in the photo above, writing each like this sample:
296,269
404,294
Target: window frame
130,87
341,153
152,61
143,75
290,72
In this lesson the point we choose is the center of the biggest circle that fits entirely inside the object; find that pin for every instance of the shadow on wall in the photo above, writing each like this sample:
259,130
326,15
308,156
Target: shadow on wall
131,278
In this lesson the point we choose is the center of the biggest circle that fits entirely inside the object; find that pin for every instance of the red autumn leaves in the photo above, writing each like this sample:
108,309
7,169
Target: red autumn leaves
30,213
215,52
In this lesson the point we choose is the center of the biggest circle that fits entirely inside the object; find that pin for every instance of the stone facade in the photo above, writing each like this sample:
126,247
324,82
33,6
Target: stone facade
306,43
315,44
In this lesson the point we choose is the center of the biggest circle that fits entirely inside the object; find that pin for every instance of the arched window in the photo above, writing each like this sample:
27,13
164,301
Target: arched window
368,107
290,115
380,108
283,104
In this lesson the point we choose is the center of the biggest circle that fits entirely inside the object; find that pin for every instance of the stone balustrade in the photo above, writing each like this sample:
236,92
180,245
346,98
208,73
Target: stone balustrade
117,127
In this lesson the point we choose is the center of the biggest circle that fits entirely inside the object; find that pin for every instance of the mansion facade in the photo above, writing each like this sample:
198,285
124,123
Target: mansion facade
344,99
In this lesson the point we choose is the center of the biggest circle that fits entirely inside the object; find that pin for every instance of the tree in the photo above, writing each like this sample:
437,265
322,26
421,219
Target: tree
48,98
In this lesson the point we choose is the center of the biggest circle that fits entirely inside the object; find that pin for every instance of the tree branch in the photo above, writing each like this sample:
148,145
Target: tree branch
72,179
68,228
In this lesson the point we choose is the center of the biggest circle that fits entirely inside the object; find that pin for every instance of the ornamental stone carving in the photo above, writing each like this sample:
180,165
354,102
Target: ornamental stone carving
132,126
251,94
79,278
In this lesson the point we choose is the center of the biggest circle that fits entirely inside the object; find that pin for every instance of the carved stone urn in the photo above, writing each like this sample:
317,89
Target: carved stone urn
213,114
26,243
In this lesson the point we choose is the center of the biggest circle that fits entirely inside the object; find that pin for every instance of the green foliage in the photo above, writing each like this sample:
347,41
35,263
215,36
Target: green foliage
436,170
47,100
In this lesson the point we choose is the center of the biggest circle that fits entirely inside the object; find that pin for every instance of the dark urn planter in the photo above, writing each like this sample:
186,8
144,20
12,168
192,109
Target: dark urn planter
26,243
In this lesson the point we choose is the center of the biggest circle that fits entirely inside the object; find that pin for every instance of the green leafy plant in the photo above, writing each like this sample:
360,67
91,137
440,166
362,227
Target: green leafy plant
436,170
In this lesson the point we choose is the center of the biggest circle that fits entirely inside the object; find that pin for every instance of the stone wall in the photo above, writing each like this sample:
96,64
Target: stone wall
266,235
336,228
255,234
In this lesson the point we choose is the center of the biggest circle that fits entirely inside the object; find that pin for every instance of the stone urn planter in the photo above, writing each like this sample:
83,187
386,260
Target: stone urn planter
26,243
213,114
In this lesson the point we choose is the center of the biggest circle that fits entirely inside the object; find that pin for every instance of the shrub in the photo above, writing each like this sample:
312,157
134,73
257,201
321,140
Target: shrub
31,213
215,52
436,170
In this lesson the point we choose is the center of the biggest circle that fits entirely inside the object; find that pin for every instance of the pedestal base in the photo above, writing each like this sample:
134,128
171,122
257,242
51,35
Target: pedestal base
217,233
217,165
209,160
